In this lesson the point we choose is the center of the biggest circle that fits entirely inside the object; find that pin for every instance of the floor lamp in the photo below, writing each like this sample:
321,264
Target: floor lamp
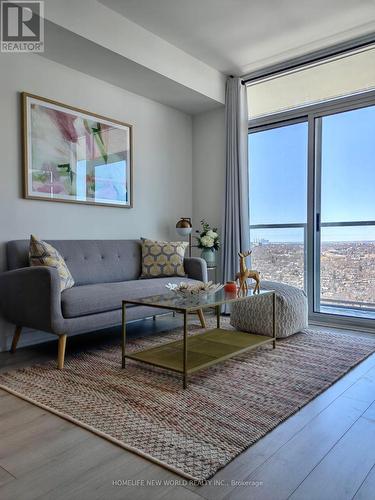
184,227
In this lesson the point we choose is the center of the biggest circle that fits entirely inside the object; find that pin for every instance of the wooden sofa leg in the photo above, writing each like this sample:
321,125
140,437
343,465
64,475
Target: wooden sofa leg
16,338
201,318
61,352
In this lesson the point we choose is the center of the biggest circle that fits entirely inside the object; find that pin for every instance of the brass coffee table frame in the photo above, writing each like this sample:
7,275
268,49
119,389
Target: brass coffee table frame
207,348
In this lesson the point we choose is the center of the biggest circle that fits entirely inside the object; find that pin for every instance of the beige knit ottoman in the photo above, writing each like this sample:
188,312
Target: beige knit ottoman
255,314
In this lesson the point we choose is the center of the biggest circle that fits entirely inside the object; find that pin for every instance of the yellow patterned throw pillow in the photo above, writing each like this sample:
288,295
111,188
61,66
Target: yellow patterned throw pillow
163,258
43,254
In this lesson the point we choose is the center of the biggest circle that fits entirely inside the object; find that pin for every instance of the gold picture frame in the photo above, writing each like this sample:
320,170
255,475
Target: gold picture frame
71,155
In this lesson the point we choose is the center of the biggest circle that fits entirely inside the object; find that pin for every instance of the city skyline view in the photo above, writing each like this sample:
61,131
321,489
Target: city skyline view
347,271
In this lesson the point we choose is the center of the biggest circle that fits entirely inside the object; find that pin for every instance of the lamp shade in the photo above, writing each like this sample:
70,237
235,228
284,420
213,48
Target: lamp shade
184,226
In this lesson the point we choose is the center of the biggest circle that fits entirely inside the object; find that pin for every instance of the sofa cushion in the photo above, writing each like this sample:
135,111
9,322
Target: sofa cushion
101,297
163,258
44,254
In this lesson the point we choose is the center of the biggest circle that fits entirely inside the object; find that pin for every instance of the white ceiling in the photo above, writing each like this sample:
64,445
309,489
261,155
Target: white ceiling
237,36
89,37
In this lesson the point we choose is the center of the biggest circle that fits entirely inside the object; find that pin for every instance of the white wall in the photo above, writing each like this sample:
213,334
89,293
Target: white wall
162,162
209,167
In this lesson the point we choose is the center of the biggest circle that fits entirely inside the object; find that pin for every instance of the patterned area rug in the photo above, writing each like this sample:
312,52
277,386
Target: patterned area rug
197,431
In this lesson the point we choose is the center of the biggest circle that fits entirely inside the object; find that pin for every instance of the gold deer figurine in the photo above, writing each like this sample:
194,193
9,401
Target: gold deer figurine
246,273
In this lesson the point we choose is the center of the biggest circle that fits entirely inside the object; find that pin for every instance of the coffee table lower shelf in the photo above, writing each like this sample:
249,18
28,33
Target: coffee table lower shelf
203,350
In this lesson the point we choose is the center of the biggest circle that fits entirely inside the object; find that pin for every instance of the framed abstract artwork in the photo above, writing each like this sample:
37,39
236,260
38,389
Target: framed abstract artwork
71,155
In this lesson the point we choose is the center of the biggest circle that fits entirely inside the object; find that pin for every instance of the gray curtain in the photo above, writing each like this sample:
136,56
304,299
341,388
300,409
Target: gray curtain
236,235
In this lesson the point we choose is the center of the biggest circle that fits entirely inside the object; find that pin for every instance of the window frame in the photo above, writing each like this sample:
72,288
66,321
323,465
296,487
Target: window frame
312,114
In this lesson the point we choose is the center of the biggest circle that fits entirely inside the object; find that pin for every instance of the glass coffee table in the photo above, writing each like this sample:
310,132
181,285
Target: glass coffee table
193,353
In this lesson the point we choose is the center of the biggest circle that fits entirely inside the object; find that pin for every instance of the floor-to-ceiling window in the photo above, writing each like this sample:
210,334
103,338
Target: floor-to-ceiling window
278,202
345,207
312,188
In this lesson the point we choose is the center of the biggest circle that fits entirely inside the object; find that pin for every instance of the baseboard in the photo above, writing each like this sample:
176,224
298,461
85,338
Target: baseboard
342,326
28,338
31,337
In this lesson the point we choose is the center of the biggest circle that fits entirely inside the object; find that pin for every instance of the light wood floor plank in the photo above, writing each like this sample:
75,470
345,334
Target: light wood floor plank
370,412
363,389
181,493
19,452
11,404
5,476
367,489
287,468
341,473
14,421
53,449
96,482
52,476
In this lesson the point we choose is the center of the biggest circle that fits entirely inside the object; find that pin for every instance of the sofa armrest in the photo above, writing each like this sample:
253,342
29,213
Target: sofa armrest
31,297
196,268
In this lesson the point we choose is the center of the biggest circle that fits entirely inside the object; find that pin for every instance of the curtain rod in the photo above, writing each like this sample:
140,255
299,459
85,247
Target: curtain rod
312,57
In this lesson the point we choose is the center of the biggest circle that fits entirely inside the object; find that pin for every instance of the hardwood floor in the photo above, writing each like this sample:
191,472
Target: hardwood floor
325,451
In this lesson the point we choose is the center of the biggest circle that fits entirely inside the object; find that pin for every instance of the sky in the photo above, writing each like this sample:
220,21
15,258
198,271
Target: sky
278,177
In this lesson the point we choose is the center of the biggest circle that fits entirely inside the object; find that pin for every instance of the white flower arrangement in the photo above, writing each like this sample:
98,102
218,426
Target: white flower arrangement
207,241
208,237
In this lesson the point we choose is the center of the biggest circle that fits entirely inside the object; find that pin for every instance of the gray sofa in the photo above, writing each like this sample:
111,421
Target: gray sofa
105,273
